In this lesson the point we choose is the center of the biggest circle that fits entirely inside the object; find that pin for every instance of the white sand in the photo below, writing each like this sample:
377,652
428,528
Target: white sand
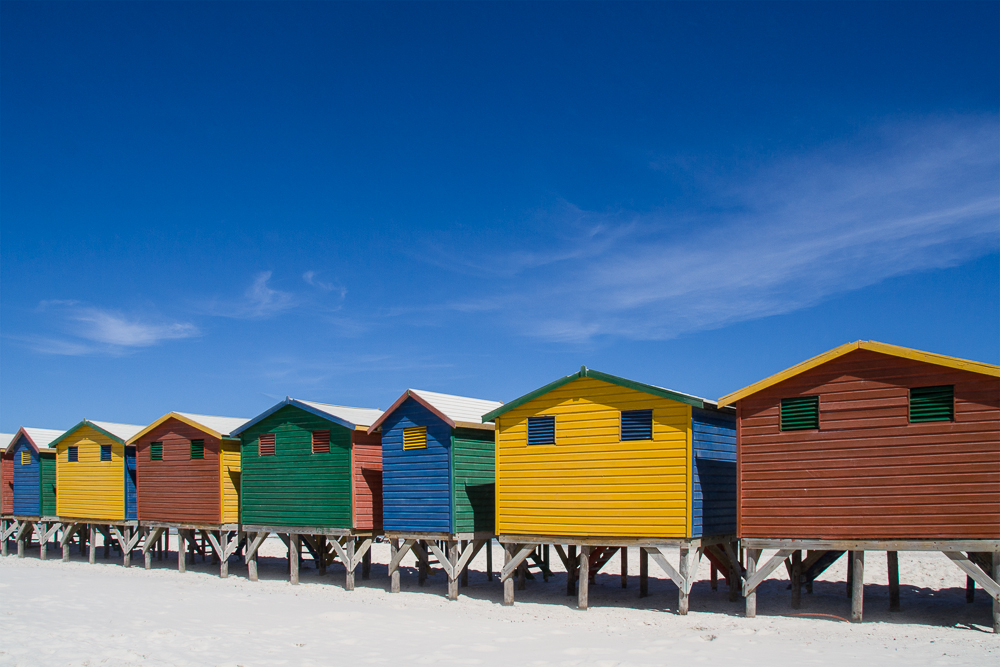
55,613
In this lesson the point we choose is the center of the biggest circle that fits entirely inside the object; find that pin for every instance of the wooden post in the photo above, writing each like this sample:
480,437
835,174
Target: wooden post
465,570
349,580
508,583
522,570
65,548
43,542
850,574
970,590
583,578
892,558
714,577
423,564
181,551
571,570
223,560
366,564
148,558
451,550
394,575
623,553
20,542
796,579
92,543
682,595
545,559
163,544
858,587
996,603
751,597
126,552
294,546
489,559
643,573
321,547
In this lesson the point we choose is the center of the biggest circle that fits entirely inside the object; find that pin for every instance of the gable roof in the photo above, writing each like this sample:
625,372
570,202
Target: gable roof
37,438
452,410
872,346
604,377
347,417
219,427
119,432
6,439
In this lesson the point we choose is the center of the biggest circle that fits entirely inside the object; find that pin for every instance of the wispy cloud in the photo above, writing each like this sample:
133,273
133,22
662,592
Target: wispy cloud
91,330
259,301
908,198
312,278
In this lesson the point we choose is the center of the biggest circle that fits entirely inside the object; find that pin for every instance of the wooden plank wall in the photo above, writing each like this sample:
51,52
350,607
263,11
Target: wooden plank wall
590,483
295,487
178,488
27,479
7,483
473,483
713,441
416,483
91,488
229,482
367,464
868,473
48,491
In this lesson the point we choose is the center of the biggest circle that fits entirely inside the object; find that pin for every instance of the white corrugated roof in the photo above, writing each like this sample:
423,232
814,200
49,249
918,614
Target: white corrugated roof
356,416
122,431
42,436
459,408
5,439
223,425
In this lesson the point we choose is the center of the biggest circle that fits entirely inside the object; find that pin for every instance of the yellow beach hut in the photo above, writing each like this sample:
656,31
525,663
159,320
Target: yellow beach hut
600,463
95,475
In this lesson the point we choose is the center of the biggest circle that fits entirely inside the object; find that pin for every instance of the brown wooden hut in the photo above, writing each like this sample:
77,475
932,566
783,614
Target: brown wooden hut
870,447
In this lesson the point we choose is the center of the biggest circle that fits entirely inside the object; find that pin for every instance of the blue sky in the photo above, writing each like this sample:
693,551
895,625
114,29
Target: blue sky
208,207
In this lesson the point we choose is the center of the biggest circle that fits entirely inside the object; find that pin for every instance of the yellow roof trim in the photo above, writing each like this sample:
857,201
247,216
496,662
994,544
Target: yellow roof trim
871,345
180,418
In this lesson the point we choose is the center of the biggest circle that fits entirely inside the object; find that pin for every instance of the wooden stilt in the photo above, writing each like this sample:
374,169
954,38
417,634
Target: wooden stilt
751,595
522,571
682,594
465,570
571,570
489,559
892,560
714,577
858,586
996,603
182,551
623,553
393,571
850,574
43,541
65,548
92,543
643,573
423,564
366,564
294,548
349,580
508,583
451,550
224,559
583,578
970,590
796,579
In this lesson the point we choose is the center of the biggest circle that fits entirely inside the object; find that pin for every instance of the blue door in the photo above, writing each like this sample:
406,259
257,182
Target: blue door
130,512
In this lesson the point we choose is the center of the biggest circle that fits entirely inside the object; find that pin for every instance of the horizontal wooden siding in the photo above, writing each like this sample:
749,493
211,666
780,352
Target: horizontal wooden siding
713,441
367,457
178,488
90,488
48,491
27,479
474,480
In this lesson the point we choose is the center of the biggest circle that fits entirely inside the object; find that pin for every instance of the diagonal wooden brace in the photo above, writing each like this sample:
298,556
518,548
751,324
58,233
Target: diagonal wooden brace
769,567
341,553
734,561
570,567
10,529
511,567
360,552
254,544
991,587
442,559
665,565
151,539
398,558
23,528
69,533
46,535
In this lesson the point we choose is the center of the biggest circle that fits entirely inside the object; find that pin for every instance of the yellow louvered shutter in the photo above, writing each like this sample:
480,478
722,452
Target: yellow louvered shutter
415,437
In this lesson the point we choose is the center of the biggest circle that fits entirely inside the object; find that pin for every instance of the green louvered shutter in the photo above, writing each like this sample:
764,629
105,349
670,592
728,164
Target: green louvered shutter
197,449
156,451
800,413
932,404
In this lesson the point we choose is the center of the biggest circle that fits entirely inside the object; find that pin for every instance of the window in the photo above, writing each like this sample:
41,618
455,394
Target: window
542,430
321,442
800,413
26,458
156,451
265,444
197,449
932,404
72,454
637,425
105,452
415,438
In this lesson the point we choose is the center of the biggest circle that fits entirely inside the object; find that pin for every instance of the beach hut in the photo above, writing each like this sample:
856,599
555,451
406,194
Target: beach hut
870,447
188,480
6,492
34,486
95,475
599,463
437,476
312,474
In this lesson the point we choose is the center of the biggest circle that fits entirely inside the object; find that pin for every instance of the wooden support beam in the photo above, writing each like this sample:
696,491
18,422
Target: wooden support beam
583,579
683,586
571,569
508,583
394,557
92,558
735,579
892,561
152,539
623,555
643,573
661,560
455,571
991,587
349,564
750,594
182,550
796,579
858,586
510,566
423,562
294,549
366,560
489,559
251,555
67,538
761,574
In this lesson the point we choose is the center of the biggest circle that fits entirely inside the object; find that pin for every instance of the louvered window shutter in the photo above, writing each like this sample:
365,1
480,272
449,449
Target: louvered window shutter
415,437
197,449
105,452
26,458
321,442
542,430
637,425
156,451
932,404
265,444
800,413
72,454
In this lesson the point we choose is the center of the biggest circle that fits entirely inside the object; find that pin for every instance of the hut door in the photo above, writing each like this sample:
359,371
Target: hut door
130,483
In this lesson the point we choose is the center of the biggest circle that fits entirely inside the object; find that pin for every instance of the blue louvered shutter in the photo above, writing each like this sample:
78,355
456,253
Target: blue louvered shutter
542,430
72,454
105,452
637,425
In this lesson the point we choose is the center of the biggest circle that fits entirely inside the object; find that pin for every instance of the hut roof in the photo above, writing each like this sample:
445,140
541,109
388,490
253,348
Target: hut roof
871,345
453,410
119,432
604,377
348,417
37,437
220,427
6,439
